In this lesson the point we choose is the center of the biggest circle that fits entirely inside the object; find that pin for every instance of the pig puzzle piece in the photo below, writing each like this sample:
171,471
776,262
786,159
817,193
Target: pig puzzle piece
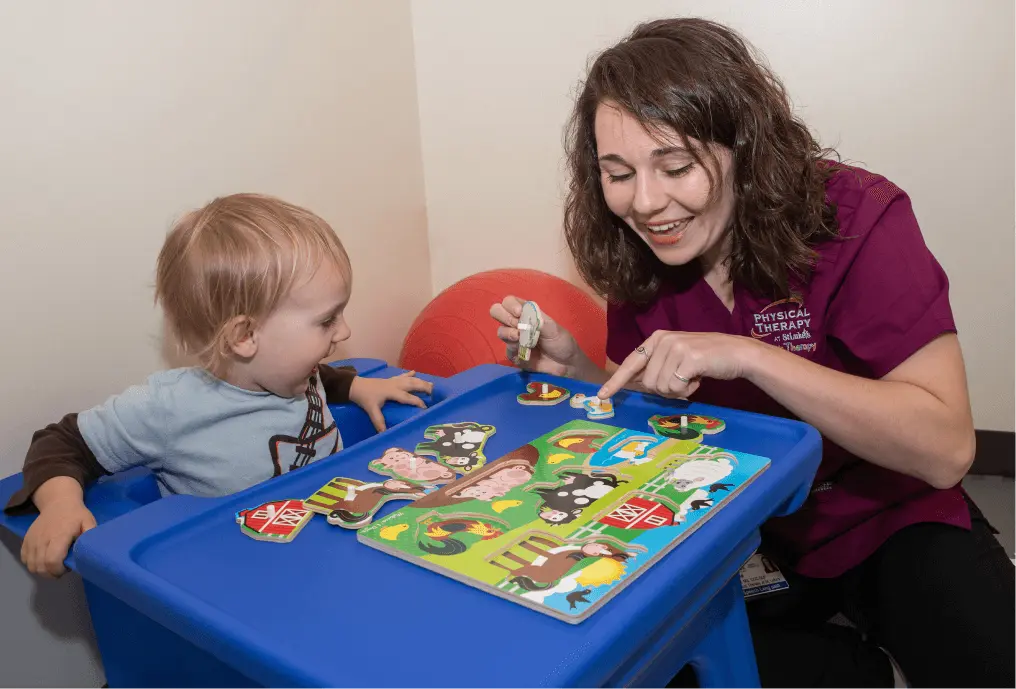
278,521
352,504
530,322
543,395
685,426
403,464
597,409
458,446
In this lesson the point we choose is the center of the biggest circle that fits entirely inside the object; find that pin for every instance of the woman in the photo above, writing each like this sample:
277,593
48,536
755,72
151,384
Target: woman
744,267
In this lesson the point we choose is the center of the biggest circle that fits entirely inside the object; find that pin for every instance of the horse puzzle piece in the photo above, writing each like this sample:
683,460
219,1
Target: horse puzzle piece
405,465
685,426
457,445
352,504
276,522
529,326
543,395
597,409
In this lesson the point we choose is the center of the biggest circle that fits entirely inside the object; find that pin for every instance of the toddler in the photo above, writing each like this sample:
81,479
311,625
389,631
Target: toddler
255,288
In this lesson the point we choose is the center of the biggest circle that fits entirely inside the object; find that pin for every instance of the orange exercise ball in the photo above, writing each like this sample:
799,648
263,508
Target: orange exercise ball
455,332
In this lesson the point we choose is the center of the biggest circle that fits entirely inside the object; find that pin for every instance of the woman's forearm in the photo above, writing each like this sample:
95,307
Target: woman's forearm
897,425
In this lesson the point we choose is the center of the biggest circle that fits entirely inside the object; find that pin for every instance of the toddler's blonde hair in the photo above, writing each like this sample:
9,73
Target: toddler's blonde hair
238,256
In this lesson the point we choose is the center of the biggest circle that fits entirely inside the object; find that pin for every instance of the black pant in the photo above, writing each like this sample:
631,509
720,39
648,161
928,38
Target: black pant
940,599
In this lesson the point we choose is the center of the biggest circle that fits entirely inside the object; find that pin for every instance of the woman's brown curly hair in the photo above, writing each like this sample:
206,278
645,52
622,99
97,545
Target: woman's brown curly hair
701,80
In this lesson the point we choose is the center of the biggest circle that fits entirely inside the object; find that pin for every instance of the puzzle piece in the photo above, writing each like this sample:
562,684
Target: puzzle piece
597,409
458,446
277,522
352,504
529,326
403,464
543,395
576,400
685,426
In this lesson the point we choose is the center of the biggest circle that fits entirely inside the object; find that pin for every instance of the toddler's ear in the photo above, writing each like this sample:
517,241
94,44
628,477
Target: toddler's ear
241,337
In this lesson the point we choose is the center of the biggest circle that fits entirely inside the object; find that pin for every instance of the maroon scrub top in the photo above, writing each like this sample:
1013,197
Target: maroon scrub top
875,297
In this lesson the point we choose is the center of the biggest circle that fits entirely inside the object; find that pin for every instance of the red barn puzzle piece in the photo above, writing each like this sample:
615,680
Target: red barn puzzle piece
278,521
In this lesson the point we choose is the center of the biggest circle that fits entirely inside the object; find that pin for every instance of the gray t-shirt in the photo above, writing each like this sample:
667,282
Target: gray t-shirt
202,436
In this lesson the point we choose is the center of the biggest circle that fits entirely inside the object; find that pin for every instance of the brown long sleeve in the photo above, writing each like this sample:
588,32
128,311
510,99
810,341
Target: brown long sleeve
336,382
56,450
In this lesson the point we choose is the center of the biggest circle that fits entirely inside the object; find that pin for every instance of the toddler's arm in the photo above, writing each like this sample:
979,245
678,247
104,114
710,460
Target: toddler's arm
57,467
336,382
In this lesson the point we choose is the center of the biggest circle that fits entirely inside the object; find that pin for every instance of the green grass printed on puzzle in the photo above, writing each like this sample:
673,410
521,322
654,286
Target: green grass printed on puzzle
412,530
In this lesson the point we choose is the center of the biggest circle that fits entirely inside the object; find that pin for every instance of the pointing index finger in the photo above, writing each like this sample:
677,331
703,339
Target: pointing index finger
629,368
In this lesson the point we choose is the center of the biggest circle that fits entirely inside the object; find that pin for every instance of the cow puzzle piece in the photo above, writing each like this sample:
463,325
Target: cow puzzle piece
458,446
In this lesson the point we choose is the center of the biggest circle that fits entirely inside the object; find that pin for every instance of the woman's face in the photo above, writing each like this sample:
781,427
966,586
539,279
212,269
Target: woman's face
659,190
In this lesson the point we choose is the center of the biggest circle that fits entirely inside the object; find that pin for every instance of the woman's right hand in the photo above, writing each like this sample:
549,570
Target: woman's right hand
556,353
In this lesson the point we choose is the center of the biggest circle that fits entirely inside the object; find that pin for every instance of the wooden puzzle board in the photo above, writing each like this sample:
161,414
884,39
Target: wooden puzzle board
565,522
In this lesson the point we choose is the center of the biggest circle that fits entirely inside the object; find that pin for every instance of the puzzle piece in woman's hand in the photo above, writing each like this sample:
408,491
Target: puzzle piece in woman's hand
529,326
352,504
403,464
543,394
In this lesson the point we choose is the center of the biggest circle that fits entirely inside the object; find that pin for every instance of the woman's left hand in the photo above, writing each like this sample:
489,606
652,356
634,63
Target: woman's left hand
672,364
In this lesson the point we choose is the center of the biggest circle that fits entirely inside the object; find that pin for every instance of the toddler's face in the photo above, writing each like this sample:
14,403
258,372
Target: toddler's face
301,332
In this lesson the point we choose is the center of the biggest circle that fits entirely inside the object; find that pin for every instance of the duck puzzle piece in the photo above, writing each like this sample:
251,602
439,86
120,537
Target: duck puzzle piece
458,446
543,395
403,464
685,426
278,521
529,326
597,409
352,504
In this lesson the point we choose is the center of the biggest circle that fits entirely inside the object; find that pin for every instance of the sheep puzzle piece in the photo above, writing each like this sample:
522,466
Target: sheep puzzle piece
564,522
529,326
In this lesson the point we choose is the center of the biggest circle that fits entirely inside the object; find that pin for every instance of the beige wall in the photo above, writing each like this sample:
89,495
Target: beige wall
117,117
920,91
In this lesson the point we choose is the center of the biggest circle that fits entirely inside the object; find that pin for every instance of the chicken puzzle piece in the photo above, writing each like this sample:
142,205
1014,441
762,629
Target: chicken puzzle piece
543,395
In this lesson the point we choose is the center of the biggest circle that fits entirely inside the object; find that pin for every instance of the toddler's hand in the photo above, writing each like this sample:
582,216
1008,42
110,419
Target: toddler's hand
372,393
50,537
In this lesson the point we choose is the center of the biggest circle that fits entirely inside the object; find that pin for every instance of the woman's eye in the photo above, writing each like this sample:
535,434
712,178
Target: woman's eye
620,178
680,171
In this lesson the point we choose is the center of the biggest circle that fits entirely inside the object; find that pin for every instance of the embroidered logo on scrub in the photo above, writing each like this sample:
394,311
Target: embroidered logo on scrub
787,322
